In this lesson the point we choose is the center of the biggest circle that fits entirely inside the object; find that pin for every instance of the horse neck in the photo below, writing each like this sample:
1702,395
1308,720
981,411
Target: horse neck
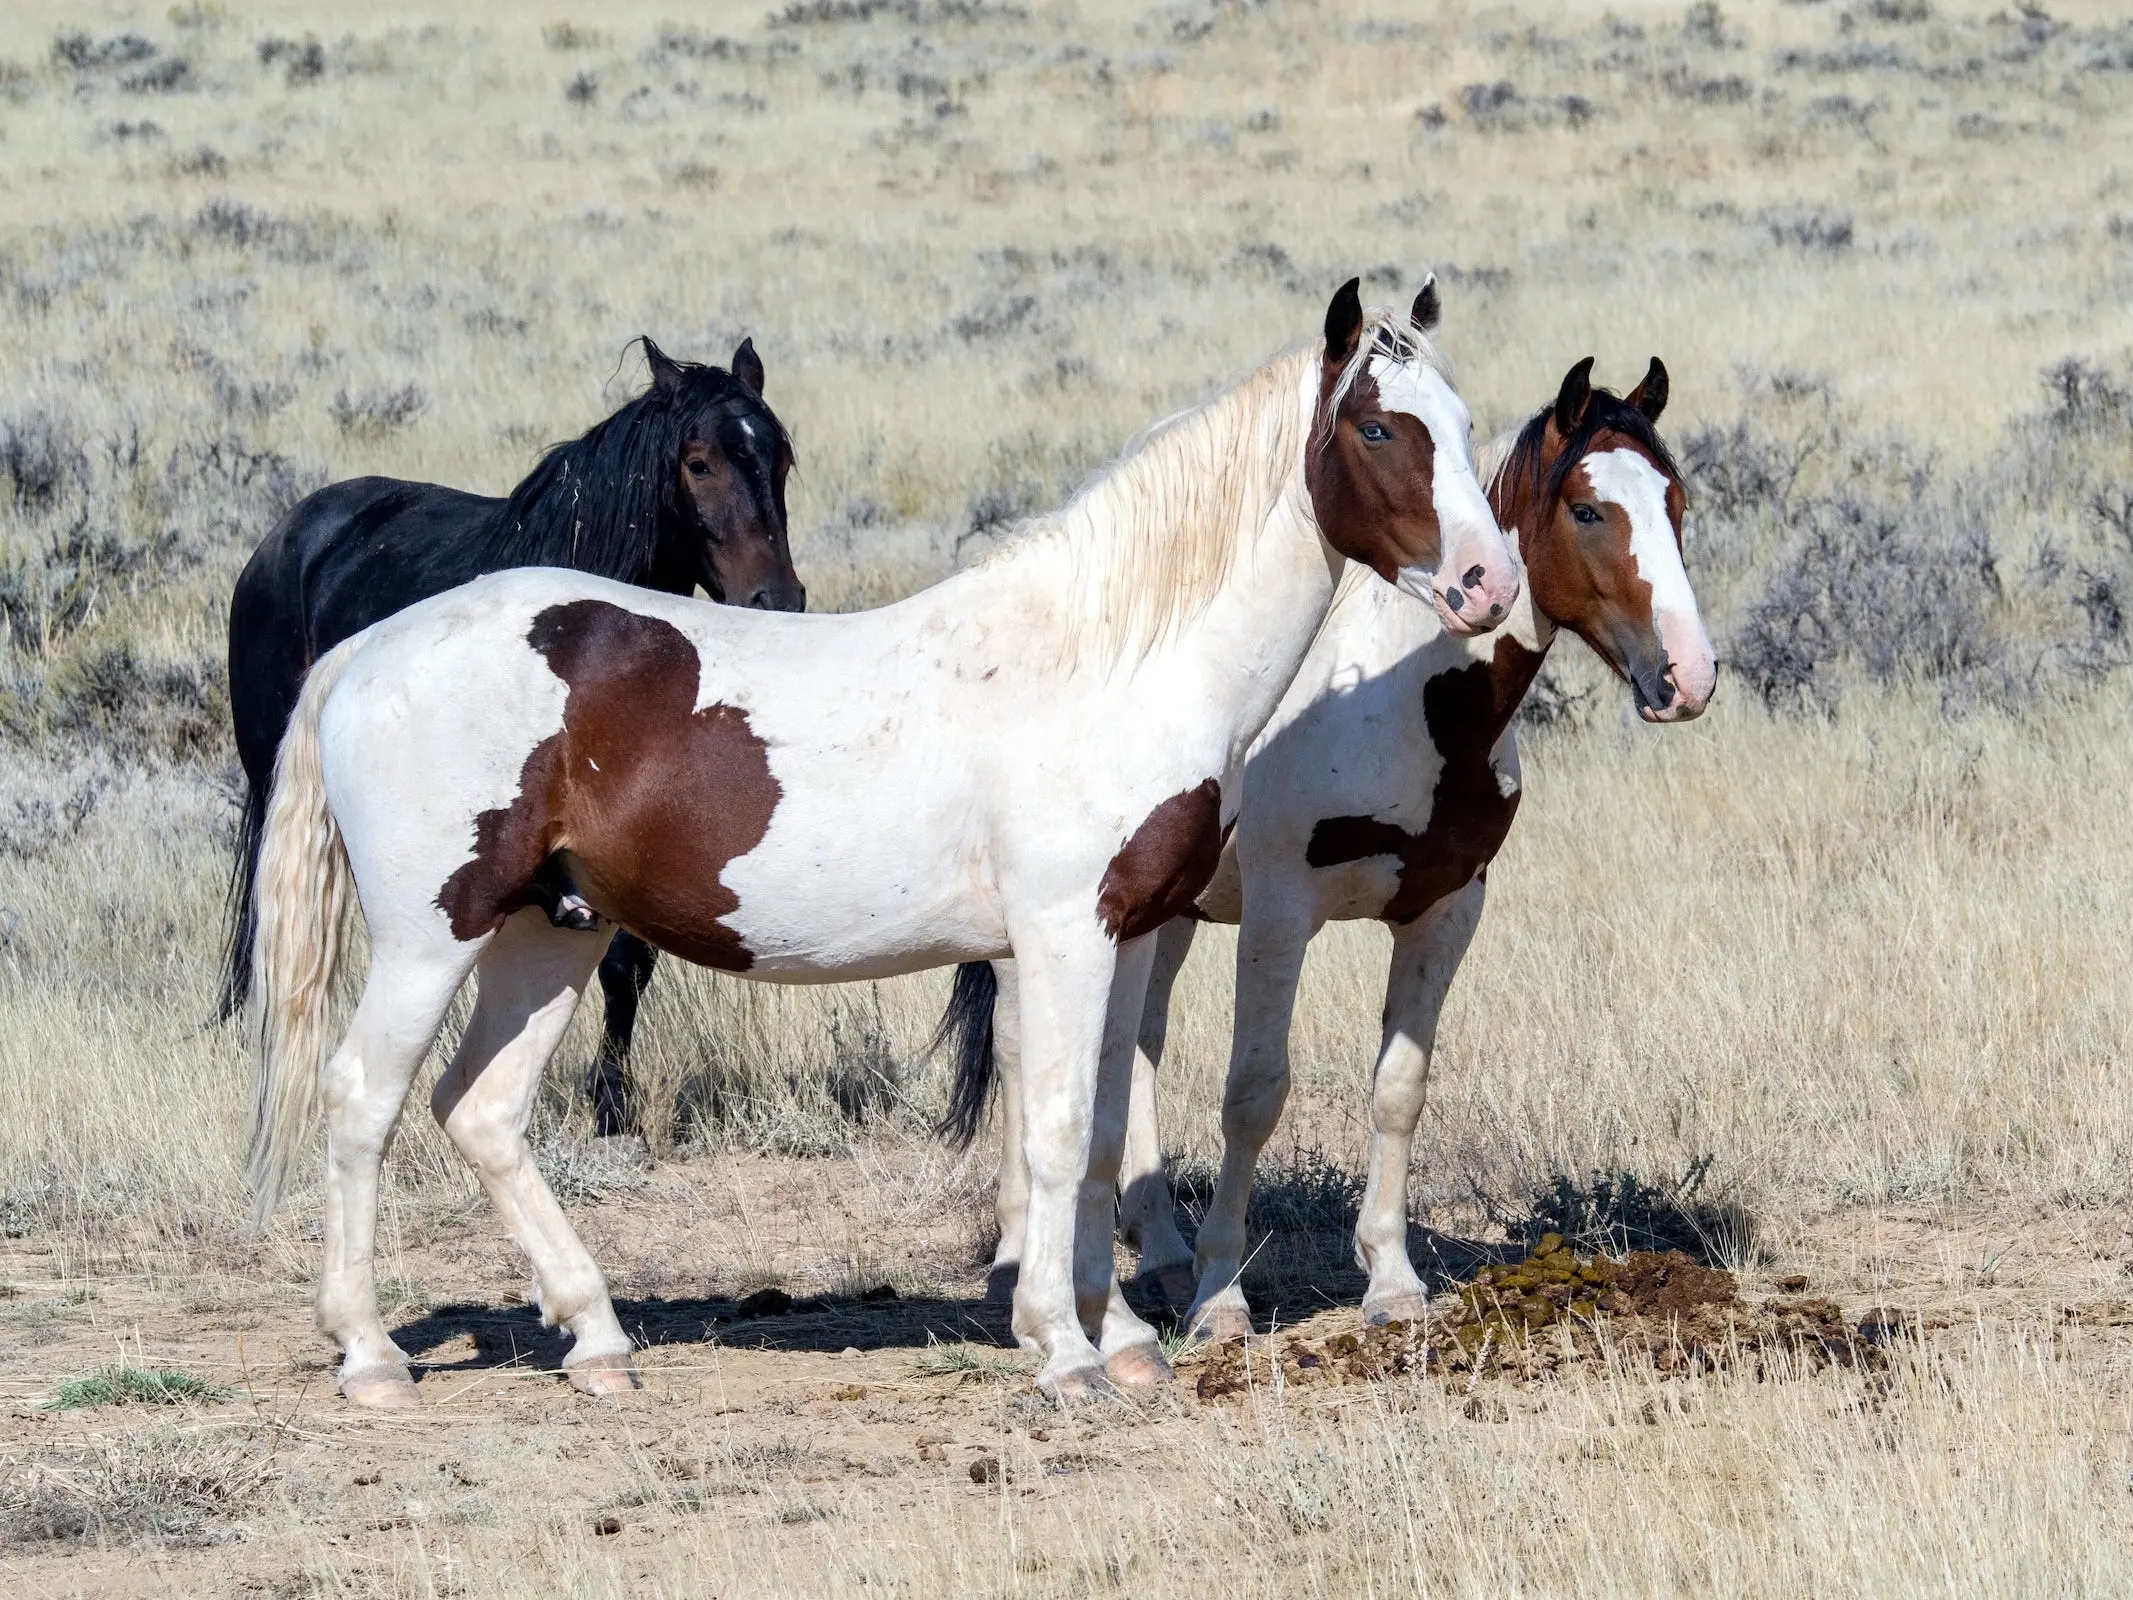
541,523
1199,545
1518,507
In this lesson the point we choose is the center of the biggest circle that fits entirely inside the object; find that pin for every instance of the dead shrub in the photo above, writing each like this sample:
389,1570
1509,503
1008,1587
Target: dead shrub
159,1489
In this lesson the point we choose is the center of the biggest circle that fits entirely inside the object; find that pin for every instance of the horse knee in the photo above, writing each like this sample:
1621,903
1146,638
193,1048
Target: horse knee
1251,1108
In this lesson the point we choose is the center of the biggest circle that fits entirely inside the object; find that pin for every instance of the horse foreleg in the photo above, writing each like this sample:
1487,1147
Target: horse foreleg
532,975
1425,955
1012,1205
1132,1356
1270,955
364,1087
624,972
1147,1210
1065,977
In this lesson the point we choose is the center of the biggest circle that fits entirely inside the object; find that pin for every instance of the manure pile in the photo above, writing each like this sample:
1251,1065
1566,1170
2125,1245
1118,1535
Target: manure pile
1531,1318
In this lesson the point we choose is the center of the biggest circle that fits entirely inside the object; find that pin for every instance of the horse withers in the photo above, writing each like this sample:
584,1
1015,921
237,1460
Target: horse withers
682,487
1035,757
1382,788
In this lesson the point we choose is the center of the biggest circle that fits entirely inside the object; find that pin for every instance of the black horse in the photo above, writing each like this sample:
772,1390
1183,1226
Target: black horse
685,485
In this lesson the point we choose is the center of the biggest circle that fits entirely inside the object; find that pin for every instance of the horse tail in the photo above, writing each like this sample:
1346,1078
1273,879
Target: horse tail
302,896
968,1022
243,907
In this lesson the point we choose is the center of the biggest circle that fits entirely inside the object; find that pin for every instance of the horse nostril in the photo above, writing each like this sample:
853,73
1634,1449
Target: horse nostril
1455,598
1495,611
1473,575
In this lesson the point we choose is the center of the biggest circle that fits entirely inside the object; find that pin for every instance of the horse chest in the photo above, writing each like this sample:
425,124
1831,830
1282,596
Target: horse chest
1470,805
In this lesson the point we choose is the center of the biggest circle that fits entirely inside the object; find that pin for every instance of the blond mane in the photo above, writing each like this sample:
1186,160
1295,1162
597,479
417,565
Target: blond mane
1153,537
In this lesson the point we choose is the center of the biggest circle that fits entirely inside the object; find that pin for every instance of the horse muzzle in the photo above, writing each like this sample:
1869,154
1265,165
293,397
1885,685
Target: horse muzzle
1675,694
1472,601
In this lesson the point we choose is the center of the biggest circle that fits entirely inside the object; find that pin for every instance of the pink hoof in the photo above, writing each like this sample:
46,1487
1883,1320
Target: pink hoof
1221,1322
1395,1308
380,1389
603,1377
1139,1367
1075,1383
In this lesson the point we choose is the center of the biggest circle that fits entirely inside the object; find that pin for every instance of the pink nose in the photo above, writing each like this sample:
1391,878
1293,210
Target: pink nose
1481,598
1692,692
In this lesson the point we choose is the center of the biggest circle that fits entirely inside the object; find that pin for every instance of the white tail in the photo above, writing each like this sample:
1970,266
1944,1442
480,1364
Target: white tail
303,894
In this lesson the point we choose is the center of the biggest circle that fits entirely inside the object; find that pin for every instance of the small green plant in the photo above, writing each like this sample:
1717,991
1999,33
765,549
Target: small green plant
127,1386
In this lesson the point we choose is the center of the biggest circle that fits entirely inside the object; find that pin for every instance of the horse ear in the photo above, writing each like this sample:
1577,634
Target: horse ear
1429,310
748,366
1649,396
1572,398
666,375
1344,321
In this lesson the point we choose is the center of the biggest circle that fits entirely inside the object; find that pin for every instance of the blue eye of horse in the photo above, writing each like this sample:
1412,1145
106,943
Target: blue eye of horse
1584,513
1375,432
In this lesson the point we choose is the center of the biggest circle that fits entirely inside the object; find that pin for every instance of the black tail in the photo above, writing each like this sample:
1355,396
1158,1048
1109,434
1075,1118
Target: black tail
243,909
968,1021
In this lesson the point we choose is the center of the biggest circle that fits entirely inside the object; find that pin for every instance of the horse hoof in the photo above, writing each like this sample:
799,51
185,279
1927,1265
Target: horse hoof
1220,1323
1139,1367
603,1377
1076,1383
380,1389
1395,1308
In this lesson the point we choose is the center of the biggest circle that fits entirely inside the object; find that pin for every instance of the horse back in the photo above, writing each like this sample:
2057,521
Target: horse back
341,559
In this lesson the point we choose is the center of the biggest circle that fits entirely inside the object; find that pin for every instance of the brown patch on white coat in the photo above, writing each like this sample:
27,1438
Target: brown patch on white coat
639,800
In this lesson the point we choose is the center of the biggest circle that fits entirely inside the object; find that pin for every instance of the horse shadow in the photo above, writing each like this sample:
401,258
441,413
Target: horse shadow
512,1336
882,1319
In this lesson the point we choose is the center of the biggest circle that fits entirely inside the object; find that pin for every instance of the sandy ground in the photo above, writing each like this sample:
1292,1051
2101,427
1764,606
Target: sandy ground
849,1405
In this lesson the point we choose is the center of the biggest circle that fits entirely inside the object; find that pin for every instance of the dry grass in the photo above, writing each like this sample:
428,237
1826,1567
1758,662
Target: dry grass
1858,937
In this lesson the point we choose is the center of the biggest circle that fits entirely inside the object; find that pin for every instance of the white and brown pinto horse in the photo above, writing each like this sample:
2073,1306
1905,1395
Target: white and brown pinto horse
1037,757
1382,788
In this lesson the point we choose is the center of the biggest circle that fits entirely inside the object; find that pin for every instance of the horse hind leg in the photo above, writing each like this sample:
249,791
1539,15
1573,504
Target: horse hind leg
364,1088
532,976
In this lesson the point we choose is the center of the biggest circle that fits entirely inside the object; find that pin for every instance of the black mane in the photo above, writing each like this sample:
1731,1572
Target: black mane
596,503
1605,412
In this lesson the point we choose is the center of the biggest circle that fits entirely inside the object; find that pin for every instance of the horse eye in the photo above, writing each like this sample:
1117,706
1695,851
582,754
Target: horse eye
698,466
1375,432
1584,513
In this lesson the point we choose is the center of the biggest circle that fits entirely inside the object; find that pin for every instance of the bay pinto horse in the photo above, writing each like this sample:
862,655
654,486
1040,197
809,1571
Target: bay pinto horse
684,485
1034,757
1382,788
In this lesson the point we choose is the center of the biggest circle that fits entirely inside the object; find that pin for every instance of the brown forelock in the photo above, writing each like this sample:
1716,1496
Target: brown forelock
646,797
1466,710
1375,504
1160,871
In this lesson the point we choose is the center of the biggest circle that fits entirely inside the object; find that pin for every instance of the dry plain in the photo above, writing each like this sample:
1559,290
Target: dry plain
1838,971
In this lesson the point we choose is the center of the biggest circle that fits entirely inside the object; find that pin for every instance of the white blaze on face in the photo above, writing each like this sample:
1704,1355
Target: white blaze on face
1466,525
1628,479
